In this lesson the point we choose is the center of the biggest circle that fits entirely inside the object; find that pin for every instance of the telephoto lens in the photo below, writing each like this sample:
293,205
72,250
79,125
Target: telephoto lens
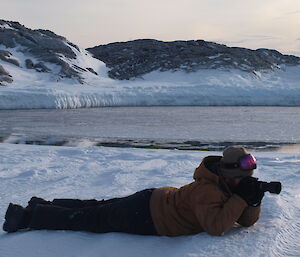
272,187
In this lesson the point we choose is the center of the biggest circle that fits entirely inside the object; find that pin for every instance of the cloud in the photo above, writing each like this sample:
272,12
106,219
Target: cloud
287,14
292,13
261,37
251,38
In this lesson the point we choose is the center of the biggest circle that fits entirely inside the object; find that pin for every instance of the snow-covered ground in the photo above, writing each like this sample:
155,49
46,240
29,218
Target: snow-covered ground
32,89
96,172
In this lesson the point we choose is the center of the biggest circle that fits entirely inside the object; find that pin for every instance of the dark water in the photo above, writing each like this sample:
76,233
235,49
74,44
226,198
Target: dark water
208,128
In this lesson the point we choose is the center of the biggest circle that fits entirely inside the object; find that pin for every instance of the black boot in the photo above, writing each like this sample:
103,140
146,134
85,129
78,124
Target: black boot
34,201
16,218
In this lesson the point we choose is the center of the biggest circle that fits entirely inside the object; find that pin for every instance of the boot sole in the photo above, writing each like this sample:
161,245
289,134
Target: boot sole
13,217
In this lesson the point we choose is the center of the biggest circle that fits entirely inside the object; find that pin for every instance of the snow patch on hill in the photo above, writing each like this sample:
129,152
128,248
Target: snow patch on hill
203,88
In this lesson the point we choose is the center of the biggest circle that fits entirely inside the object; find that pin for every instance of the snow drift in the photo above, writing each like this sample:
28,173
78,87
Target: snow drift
204,88
95,172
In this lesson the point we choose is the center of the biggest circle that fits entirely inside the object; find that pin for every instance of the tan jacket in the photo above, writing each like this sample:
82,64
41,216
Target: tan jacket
206,204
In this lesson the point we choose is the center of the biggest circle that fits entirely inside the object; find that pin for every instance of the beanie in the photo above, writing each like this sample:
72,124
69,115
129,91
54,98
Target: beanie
232,154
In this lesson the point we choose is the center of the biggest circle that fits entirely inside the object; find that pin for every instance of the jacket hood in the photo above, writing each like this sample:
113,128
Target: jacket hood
203,172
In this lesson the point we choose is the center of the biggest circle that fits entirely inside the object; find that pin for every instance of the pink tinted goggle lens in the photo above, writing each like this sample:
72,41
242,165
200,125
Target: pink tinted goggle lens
248,162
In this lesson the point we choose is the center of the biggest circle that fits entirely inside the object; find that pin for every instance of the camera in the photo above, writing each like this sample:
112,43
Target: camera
273,187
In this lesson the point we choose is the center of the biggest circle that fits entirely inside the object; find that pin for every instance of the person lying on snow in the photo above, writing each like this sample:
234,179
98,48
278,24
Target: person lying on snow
221,195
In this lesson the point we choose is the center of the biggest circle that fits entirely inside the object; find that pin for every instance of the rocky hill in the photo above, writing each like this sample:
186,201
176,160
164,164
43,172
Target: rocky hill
131,59
41,48
44,52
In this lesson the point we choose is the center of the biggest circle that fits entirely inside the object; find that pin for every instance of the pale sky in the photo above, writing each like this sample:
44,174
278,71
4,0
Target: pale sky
253,24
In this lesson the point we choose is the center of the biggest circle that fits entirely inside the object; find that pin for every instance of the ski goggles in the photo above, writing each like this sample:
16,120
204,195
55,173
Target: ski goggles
246,162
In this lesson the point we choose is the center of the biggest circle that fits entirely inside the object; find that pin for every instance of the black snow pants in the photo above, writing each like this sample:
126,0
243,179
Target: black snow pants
129,214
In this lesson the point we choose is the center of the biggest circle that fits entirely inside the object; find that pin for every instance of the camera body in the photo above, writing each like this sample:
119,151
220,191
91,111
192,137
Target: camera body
273,187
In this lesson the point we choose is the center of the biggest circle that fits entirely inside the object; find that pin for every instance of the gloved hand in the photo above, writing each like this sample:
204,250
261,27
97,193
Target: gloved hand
248,190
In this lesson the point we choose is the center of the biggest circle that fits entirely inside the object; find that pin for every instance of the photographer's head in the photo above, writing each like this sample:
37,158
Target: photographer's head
236,163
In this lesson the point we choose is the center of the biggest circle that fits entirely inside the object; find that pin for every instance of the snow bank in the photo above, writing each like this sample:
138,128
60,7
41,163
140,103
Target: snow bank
205,88
32,89
95,172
